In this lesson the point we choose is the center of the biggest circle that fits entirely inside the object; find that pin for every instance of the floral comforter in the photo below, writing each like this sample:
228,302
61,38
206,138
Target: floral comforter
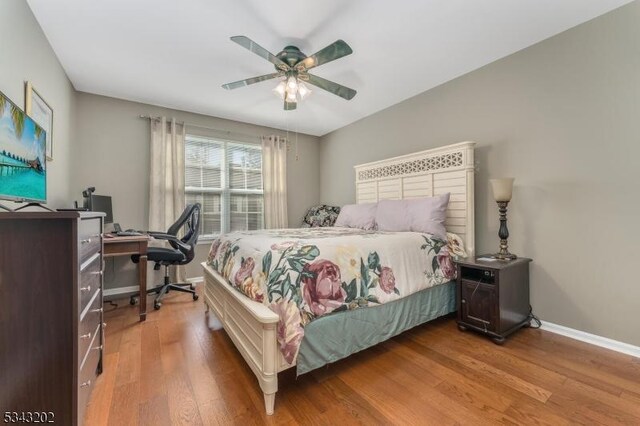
303,274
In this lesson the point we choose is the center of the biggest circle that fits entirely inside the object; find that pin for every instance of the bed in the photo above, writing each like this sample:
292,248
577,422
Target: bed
321,278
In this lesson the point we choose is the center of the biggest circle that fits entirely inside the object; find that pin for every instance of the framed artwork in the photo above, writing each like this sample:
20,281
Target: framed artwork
40,111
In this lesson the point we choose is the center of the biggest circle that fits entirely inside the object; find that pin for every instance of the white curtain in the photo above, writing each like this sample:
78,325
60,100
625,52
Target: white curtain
274,172
166,181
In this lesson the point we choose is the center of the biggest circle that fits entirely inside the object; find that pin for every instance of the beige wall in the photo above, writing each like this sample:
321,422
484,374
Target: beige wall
563,118
25,55
112,154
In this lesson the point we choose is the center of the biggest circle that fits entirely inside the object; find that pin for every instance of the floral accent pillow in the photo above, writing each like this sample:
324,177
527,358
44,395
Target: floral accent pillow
321,216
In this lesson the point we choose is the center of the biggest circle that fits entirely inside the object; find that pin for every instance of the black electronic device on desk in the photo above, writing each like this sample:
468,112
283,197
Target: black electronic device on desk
102,203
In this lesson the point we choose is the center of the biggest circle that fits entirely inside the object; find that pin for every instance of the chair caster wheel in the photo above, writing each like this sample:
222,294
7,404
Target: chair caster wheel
195,297
156,305
498,340
462,327
132,301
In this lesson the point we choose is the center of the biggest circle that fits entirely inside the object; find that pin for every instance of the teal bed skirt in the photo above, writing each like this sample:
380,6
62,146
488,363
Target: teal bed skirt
333,337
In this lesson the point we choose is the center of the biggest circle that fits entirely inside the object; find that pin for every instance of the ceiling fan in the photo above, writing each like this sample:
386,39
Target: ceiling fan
292,67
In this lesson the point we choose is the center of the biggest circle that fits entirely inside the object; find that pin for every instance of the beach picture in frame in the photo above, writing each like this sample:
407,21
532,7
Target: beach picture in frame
40,111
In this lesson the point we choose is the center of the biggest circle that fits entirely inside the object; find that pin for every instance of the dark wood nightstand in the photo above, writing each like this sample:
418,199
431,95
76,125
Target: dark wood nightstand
493,296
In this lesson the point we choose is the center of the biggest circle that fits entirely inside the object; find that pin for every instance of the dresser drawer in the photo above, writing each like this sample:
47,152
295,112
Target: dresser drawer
90,279
87,377
88,324
89,237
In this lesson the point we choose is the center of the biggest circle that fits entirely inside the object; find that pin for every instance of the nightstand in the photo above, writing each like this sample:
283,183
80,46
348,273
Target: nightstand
493,296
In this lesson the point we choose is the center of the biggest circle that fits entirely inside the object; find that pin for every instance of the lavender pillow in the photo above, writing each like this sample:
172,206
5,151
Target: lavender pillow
361,216
425,215
392,215
428,215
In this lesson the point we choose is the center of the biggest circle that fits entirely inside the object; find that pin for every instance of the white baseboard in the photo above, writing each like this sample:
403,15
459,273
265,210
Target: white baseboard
134,288
120,290
583,336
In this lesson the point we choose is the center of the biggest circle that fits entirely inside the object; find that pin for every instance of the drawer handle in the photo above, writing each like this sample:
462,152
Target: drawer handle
463,301
94,311
87,288
85,241
97,348
97,273
85,384
86,336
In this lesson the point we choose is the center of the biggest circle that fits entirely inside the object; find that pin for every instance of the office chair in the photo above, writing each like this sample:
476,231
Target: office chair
182,251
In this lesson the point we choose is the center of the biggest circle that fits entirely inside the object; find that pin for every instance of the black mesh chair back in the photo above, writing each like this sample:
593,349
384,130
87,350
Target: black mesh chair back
191,218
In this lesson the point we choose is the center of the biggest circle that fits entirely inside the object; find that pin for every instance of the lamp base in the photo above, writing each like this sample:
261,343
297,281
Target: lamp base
504,256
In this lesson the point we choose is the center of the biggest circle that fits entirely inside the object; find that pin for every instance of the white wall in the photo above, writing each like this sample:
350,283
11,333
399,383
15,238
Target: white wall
563,118
25,55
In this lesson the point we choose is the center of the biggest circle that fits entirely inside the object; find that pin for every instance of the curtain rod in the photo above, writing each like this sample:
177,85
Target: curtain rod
226,132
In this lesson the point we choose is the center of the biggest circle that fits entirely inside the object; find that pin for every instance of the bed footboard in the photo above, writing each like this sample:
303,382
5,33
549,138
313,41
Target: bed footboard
252,328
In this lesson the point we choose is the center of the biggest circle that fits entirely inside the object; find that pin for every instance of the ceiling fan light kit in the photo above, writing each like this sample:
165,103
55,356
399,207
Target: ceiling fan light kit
292,68
292,90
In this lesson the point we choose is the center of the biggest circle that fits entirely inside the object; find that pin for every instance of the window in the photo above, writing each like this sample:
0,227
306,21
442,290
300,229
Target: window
226,178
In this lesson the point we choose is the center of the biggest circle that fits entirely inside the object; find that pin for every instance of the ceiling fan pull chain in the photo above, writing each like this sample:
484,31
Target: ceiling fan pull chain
297,123
286,121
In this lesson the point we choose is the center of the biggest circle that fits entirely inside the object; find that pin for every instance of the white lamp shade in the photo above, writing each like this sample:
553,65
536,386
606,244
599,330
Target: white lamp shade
281,89
502,188
303,90
292,84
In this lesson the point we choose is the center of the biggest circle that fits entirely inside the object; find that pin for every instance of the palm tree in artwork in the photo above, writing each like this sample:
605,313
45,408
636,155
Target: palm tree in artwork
38,132
17,117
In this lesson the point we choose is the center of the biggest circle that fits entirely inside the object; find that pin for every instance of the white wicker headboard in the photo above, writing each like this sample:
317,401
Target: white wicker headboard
424,174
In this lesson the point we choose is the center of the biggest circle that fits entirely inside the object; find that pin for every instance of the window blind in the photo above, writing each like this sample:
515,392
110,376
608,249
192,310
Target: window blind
226,178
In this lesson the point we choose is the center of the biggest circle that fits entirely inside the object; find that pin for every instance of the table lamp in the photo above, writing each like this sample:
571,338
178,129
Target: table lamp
502,191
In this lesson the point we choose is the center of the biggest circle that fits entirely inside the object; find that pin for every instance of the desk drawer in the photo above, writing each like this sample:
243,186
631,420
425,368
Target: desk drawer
89,323
89,237
90,279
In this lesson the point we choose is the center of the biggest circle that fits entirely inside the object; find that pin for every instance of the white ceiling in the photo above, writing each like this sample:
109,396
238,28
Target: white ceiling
177,53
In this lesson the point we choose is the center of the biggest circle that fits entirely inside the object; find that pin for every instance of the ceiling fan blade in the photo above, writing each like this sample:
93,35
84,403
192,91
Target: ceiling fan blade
334,51
289,106
330,86
251,45
248,81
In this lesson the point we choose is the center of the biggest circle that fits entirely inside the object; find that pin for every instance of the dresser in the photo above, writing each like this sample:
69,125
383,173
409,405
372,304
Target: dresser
51,315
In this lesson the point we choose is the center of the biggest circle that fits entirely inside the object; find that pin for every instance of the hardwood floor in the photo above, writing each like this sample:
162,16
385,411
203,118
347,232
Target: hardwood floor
174,370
